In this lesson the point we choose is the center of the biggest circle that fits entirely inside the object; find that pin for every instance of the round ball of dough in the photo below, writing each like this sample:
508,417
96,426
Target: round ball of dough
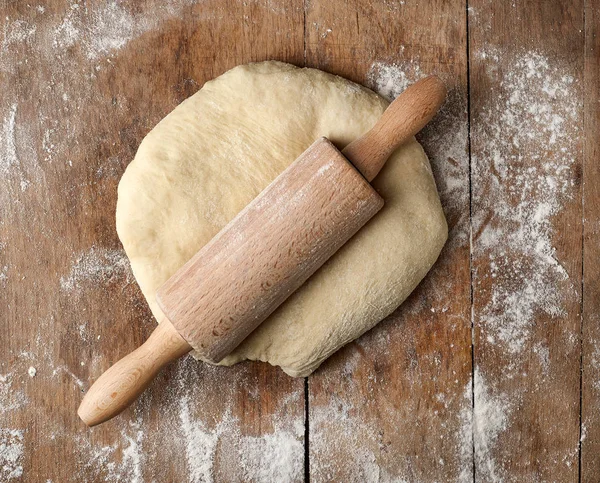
222,146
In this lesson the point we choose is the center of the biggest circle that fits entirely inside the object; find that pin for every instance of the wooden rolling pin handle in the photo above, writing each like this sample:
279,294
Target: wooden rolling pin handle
404,118
120,385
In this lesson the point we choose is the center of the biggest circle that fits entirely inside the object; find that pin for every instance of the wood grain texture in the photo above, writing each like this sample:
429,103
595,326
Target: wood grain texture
526,70
590,398
82,85
396,404
268,250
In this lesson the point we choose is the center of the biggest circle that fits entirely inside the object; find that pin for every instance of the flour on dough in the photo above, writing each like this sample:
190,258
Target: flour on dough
217,150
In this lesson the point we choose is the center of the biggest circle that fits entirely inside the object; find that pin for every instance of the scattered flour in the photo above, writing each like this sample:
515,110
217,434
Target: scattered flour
543,353
10,397
121,461
132,455
83,332
67,371
111,28
521,178
15,35
3,275
465,437
11,454
347,442
66,34
105,28
17,156
595,364
390,80
200,443
321,31
95,30
358,437
197,442
8,147
97,266
16,32
278,456
490,419
341,435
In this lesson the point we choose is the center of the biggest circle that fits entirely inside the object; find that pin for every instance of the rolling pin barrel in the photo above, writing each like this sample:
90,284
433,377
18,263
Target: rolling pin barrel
266,252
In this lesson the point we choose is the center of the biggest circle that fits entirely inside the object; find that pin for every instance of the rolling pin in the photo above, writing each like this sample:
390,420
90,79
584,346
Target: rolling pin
266,252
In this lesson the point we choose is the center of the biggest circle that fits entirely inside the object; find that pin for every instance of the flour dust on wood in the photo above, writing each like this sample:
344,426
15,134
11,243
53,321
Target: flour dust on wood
11,396
490,419
524,174
276,455
207,447
97,266
103,29
119,461
8,156
530,147
52,42
346,442
522,178
11,454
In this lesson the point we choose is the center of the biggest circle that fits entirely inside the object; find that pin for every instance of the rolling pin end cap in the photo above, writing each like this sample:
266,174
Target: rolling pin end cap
85,416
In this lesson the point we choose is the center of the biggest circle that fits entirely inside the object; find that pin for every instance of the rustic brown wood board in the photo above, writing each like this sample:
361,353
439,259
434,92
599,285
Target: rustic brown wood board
489,372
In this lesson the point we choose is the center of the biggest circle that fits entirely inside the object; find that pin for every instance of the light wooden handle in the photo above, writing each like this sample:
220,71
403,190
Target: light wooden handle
122,383
404,118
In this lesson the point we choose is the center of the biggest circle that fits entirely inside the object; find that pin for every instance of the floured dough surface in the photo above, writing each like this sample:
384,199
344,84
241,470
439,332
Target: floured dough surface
217,150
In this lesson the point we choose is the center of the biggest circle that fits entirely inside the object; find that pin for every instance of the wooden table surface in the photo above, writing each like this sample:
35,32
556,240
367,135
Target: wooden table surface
489,372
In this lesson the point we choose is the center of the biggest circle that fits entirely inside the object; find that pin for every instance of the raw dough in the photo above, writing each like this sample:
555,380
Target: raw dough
216,151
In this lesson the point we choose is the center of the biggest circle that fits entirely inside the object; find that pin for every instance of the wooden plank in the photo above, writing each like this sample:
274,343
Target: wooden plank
590,406
396,404
526,115
82,84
